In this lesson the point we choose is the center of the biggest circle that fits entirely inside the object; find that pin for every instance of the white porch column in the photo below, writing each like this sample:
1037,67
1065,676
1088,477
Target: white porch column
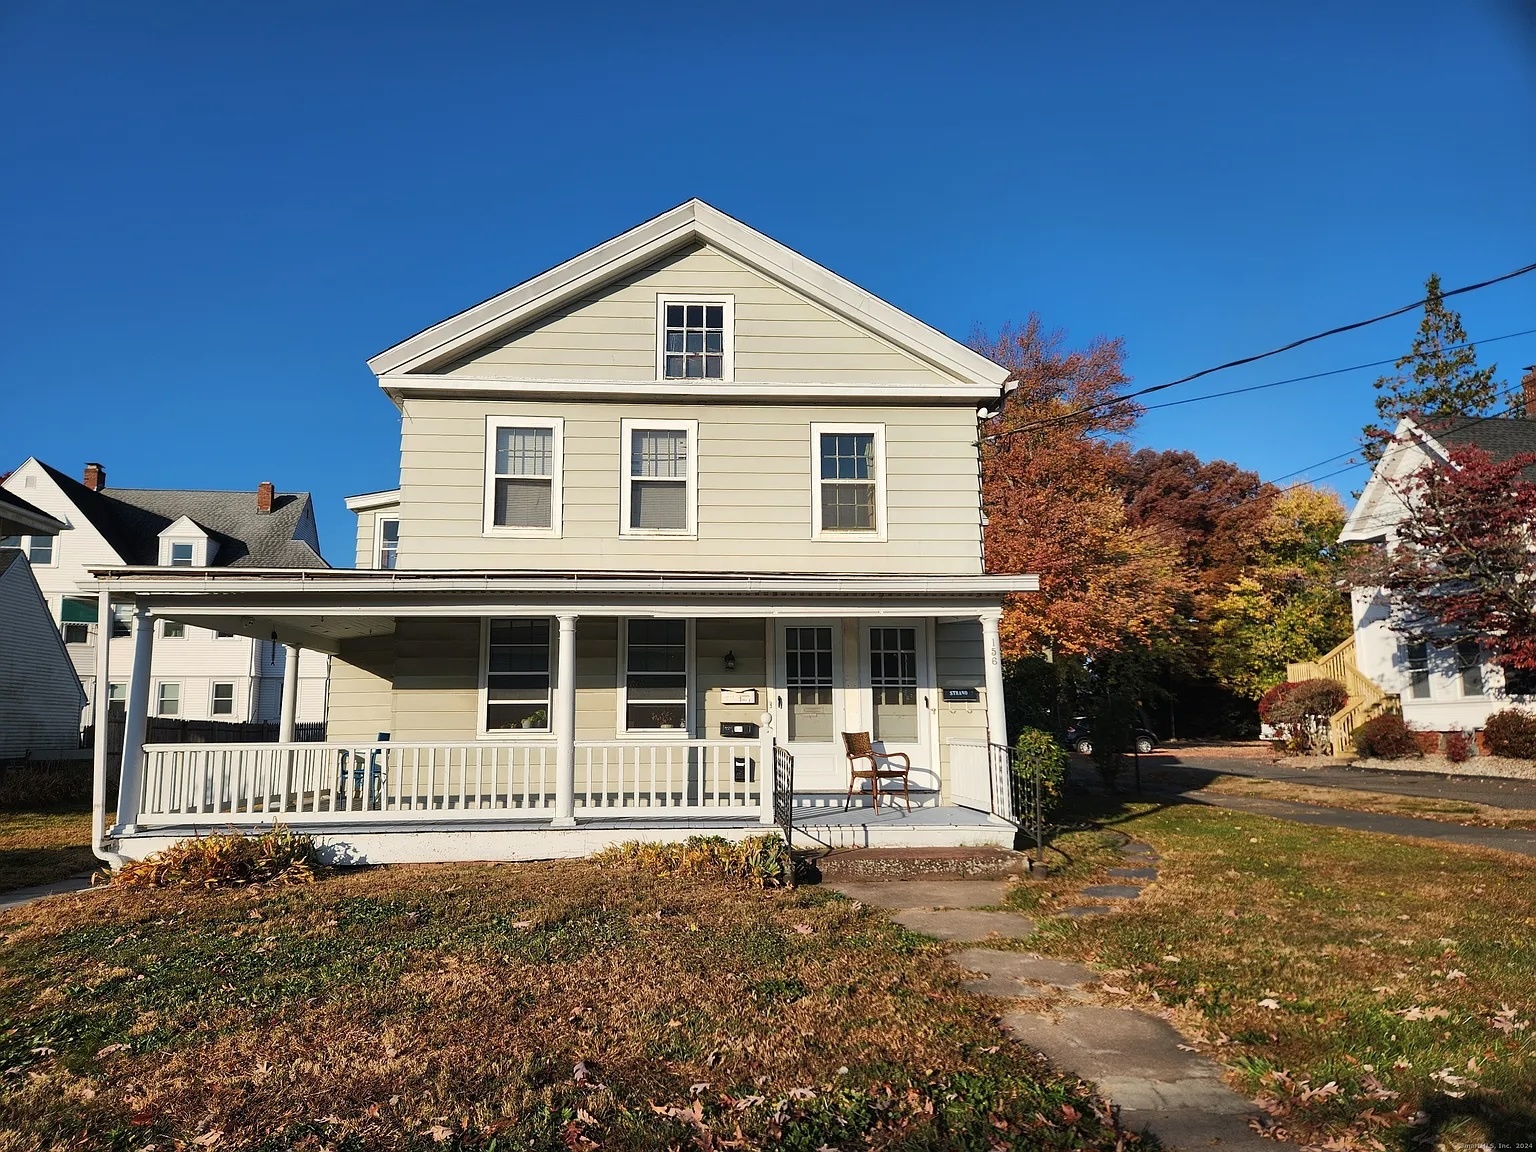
137,718
290,705
564,707
101,713
992,654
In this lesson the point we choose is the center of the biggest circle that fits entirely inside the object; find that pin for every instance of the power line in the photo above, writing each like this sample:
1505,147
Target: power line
1254,358
1321,375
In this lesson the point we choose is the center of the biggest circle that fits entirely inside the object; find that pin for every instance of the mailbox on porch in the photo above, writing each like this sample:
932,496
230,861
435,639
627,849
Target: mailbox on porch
739,731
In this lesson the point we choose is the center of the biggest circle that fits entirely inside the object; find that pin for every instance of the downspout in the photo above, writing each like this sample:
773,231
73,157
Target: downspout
101,715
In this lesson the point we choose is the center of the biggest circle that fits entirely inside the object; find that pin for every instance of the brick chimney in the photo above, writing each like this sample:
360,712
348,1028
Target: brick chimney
95,477
1528,385
264,496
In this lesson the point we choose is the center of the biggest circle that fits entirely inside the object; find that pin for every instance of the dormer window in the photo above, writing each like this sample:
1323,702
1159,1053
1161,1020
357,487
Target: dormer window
181,555
186,544
694,338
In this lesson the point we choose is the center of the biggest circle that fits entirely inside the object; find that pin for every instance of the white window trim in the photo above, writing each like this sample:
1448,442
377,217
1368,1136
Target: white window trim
689,670
181,699
727,338
544,735
493,424
879,533
212,695
691,496
24,546
379,520
164,624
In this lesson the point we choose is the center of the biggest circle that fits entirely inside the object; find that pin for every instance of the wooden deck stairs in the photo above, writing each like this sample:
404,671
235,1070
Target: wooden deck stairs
1366,700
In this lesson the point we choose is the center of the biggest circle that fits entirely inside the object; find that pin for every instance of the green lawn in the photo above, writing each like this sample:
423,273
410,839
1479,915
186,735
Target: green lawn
547,1006
1363,986
38,847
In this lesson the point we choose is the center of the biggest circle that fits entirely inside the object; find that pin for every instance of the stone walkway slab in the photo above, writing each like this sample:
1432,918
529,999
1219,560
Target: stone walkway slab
1133,873
1026,967
965,925
924,893
1111,891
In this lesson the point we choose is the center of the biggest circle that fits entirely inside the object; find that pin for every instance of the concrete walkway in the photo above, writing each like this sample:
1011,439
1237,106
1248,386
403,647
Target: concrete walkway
1139,1062
58,888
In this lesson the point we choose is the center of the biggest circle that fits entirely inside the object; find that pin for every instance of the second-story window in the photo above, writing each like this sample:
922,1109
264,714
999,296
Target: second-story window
694,338
39,549
389,541
523,469
848,494
181,555
660,475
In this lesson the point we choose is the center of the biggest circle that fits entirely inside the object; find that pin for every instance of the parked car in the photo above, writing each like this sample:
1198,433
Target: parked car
1080,738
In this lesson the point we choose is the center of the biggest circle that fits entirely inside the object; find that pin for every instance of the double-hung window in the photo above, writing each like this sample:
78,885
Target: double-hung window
517,680
388,541
1418,670
223,702
848,490
694,337
522,475
168,699
656,675
659,477
1469,667
39,549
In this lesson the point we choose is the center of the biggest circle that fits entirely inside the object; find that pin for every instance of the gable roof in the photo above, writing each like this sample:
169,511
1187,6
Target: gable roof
131,520
1501,437
18,518
688,223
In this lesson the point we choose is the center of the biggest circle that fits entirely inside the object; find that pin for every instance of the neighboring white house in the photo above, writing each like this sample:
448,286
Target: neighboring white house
198,673
1441,687
40,695
672,517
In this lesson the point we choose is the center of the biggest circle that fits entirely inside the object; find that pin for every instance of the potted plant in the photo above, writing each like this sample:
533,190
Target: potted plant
536,719
666,718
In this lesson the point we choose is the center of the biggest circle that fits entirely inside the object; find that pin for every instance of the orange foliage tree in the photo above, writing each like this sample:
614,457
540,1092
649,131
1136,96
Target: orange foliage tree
1053,506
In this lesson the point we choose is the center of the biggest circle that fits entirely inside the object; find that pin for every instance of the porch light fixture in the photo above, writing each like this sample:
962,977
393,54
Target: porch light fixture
730,661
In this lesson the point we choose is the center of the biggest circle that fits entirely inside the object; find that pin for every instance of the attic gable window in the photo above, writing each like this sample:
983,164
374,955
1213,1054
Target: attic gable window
695,338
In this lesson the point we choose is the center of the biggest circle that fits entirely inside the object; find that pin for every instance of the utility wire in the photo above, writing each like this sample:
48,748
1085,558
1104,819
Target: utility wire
1258,356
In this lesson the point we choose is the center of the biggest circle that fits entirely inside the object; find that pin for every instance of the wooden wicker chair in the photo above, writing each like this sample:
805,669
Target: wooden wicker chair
881,767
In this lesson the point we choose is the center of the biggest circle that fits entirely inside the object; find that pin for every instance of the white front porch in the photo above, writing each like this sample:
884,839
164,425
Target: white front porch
519,723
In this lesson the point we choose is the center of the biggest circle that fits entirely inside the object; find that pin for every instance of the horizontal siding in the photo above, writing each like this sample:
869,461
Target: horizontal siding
754,499
779,335
40,698
361,703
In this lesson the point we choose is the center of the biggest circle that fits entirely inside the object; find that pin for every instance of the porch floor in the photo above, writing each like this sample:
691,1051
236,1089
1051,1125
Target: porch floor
819,818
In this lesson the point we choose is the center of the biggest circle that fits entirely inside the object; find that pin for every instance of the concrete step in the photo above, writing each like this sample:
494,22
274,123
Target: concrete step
937,863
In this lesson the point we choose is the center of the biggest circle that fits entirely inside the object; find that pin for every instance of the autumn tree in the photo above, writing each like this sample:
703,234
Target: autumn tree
1287,603
1463,567
1049,461
1437,379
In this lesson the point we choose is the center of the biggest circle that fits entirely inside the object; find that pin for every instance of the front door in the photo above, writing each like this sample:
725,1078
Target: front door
897,687
811,703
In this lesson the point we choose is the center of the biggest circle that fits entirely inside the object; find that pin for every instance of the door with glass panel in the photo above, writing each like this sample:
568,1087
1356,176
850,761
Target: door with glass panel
899,691
810,703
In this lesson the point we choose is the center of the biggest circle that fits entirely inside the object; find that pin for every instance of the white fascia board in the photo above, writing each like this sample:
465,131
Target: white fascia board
400,386
1366,521
693,221
360,581
182,528
372,501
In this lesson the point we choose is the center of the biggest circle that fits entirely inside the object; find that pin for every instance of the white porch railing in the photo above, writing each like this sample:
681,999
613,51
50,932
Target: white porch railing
297,783
981,777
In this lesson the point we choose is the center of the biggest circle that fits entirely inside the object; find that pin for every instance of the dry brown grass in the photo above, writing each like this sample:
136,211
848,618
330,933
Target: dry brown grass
1420,807
40,847
520,1006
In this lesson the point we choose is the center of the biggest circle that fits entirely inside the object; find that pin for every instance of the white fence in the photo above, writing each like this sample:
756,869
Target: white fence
981,777
306,782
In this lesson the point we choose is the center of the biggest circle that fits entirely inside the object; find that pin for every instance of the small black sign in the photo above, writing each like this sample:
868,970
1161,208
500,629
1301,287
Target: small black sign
962,695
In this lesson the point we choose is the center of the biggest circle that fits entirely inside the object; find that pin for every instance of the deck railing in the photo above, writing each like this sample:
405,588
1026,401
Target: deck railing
1366,699
244,784
981,777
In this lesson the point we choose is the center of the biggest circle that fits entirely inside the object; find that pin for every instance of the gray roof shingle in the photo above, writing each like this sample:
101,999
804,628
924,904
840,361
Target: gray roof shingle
1500,437
131,520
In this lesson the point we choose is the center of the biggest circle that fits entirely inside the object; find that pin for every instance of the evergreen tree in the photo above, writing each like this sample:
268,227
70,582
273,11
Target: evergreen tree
1437,379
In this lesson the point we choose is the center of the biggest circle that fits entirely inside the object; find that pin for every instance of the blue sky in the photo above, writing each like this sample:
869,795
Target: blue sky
213,214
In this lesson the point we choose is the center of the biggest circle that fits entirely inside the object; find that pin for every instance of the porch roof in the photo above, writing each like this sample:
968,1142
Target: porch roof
318,608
